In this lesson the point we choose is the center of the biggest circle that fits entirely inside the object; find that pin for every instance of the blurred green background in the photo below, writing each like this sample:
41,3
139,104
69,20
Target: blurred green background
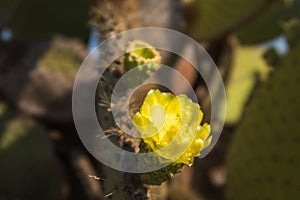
255,44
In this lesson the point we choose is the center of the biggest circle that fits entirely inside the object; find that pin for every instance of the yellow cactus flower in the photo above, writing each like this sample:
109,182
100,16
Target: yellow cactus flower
164,118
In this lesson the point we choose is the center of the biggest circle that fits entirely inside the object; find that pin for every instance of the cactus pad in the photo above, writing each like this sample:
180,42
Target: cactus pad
263,162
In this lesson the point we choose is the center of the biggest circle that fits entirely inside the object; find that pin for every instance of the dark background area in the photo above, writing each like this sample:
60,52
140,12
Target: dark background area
255,45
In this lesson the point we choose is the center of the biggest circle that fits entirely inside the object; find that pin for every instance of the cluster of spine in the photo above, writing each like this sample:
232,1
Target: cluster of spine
159,176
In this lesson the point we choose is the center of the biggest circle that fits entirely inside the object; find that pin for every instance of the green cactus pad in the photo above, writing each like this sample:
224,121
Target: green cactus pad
263,161
63,57
247,61
268,25
159,176
28,169
215,17
292,31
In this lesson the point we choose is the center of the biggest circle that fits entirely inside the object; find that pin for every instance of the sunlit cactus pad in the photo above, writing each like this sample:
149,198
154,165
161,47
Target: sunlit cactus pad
263,161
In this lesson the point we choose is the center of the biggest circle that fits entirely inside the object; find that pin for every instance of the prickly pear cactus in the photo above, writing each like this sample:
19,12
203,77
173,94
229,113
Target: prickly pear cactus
214,18
27,168
140,53
268,25
291,30
263,162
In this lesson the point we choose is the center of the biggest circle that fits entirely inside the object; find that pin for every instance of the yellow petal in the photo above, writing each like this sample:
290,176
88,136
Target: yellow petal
143,125
204,131
155,97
